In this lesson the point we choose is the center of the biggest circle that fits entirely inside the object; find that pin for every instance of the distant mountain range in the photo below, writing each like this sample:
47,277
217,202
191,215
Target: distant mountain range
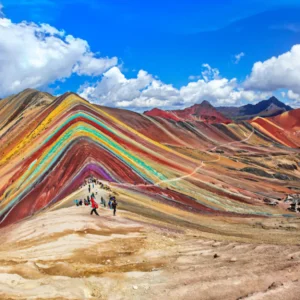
205,112
266,108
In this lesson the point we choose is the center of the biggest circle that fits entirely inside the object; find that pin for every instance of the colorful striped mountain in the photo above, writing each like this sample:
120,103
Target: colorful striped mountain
49,146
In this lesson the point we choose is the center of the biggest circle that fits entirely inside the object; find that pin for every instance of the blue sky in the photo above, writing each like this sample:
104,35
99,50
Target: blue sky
170,39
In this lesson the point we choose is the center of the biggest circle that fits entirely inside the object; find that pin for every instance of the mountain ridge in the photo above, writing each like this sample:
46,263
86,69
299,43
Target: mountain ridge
265,108
203,111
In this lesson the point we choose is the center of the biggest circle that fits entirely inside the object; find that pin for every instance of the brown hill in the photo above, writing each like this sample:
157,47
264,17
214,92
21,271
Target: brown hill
203,112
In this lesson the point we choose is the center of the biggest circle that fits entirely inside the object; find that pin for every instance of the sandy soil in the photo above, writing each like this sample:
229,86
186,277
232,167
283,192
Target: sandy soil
65,253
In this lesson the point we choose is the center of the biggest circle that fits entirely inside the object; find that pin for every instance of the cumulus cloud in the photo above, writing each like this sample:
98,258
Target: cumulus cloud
293,96
34,56
220,92
238,57
114,89
277,72
294,99
146,91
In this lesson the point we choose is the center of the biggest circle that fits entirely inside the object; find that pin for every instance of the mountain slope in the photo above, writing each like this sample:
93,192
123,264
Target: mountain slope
172,164
265,108
19,114
283,128
289,120
156,112
16,106
203,112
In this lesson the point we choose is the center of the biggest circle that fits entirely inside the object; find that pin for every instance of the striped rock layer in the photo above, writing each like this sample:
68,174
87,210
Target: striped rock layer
48,146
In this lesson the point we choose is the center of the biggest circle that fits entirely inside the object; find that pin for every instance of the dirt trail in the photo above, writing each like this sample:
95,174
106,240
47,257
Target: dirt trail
197,168
202,162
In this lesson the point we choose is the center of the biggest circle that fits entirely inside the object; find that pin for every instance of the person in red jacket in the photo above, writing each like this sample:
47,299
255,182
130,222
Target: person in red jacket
94,206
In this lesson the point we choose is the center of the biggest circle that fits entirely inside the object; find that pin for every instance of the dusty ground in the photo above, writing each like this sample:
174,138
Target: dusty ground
65,253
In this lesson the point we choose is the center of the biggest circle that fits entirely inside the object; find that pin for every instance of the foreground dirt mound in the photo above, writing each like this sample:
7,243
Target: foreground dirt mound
69,254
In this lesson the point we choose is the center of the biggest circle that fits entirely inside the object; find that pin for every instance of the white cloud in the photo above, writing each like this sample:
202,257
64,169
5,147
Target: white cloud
293,96
209,73
116,90
145,91
34,55
277,72
219,92
238,57
46,28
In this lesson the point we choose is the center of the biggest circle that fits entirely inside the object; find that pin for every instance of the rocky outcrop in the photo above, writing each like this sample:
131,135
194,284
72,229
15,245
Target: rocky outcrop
291,167
257,172
294,200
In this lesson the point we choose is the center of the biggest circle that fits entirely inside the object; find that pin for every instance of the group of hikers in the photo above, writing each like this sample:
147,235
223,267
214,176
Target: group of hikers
112,203
94,182
90,200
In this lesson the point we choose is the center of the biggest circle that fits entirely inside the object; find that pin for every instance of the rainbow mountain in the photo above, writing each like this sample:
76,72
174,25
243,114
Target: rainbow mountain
49,145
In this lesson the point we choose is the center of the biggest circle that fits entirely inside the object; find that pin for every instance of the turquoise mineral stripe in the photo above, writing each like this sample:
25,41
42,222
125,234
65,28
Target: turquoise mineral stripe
74,116
121,149
87,116
54,153
101,136
140,162
128,154
23,178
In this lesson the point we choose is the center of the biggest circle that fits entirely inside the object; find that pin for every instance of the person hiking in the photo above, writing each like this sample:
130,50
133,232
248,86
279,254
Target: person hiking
110,203
103,202
114,206
94,207
76,202
80,202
